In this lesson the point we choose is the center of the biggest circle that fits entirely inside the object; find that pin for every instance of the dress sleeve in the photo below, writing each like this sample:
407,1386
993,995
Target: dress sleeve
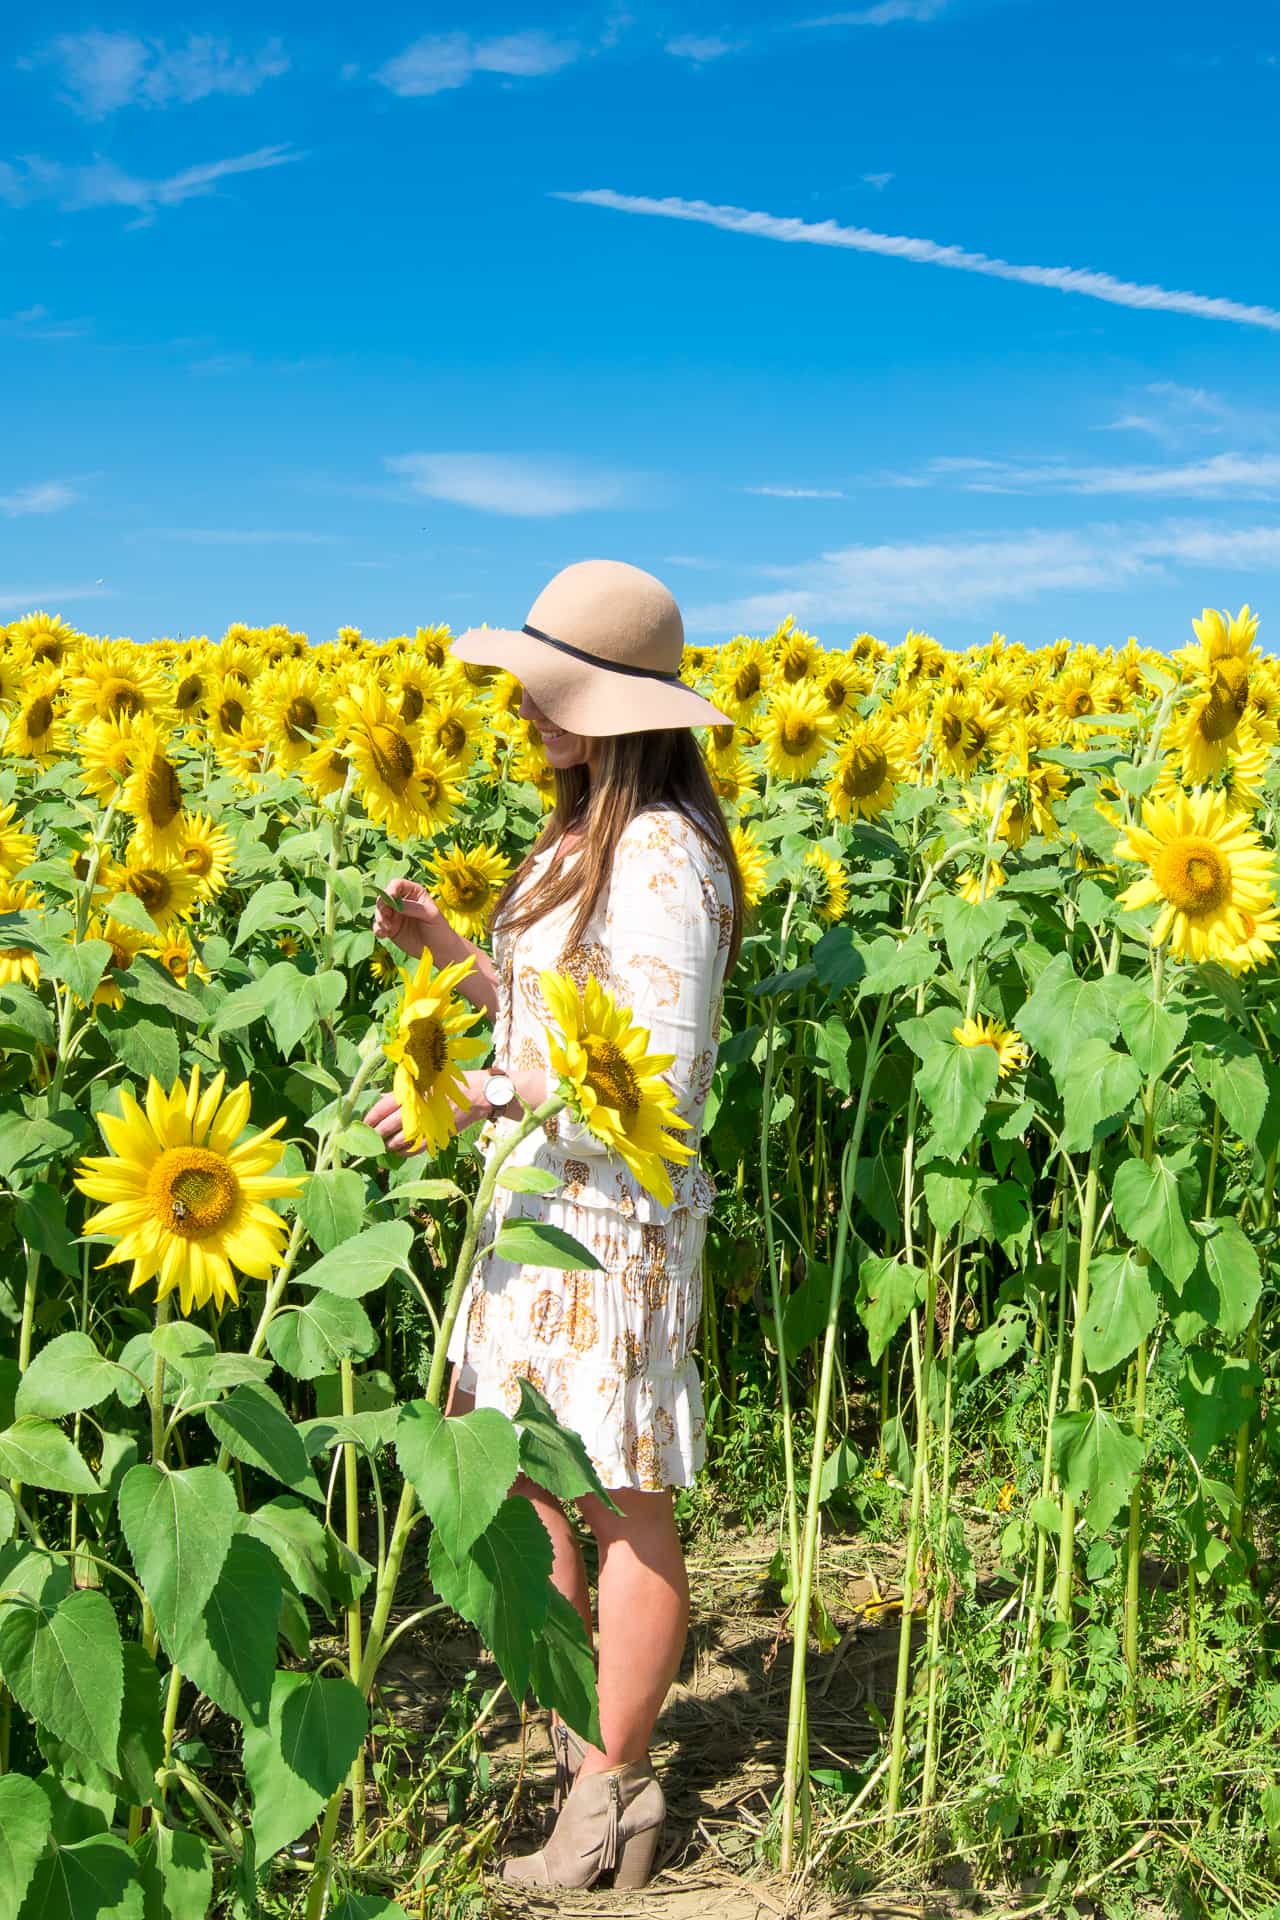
663,936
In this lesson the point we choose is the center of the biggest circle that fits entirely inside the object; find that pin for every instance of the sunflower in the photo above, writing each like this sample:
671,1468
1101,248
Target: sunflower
19,963
733,777
410,789
166,889
432,1044
965,730
450,726
828,888
125,944
226,707
740,685
841,685
46,638
118,683
178,957
1261,933
36,729
208,854
795,731
432,643
753,864
467,882
1206,867
530,763
17,849
866,771
295,709
980,880
795,653
1009,1047
153,795
110,749
182,1200
1207,731
614,1085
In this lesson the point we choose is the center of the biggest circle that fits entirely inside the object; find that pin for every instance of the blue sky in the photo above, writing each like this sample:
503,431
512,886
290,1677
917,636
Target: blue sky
955,314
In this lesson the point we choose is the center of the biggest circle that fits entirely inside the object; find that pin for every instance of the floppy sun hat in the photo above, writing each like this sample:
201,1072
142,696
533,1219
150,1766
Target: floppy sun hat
600,653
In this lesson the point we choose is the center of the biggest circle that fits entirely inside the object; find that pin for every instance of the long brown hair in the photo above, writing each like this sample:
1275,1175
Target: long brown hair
632,771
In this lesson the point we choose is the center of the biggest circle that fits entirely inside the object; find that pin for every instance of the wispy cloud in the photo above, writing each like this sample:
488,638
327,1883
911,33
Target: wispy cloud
239,536
912,580
877,180
440,62
103,184
702,47
27,599
797,493
827,233
102,72
886,13
37,323
1218,476
45,496
529,488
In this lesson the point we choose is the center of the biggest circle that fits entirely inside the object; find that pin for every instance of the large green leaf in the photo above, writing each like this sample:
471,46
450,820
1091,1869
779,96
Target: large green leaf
460,1468
1219,1392
955,1084
1098,1457
39,1454
24,1826
552,1455
1233,1267
64,1666
536,1243
140,1749
1152,1030
1123,1308
357,1266
41,1218
79,967
66,1376
314,1336
176,1871
501,1586
95,1879
230,1653
1063,1012
967,926
887,1291
253,1425
562,1668
1148,1206
894,964
1232,1074
305,1750
179,1526
143,1043
332,1207
300,1542
1099,1085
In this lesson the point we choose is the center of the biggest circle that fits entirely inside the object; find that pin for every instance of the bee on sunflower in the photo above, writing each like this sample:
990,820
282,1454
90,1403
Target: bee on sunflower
467,882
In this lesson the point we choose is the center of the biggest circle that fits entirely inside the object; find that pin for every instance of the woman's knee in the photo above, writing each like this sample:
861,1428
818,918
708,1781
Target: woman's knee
642,1516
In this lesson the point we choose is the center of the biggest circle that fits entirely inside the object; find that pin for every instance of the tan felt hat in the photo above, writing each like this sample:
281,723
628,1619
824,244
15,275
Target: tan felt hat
600,653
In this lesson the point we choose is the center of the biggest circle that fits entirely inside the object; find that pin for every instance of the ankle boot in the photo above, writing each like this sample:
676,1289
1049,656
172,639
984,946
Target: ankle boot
568,1749
611,1822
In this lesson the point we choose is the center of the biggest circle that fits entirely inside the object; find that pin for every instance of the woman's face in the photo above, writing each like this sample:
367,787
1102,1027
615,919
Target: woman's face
562,749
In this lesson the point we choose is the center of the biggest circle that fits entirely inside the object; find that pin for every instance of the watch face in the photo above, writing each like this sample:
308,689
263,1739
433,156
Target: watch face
498,1090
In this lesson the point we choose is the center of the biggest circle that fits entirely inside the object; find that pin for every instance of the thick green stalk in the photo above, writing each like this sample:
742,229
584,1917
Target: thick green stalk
921,1368
351,1491
1133,1542
773,1257
933,1661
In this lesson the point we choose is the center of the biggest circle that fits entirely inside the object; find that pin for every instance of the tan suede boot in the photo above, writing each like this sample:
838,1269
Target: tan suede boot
568,1749
610,1822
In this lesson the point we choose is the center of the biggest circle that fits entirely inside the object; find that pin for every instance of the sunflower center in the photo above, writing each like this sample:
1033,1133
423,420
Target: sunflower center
1227,702
746,682
48,651
430,787
39,716
411,704
452,737
300,717
188,693
1078,701
470,889
612,1078
722,738
198,858
794,667
177,960
164,795
952,731
835,693
427,1045
150,886
230,716
865,774
392,757
194,1192
1194,876
120,697
797,736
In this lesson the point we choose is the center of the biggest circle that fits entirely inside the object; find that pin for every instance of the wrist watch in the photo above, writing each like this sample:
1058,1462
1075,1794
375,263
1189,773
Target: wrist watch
499,1091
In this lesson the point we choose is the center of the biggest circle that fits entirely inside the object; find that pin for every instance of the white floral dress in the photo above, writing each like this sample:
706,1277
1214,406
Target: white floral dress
612,1350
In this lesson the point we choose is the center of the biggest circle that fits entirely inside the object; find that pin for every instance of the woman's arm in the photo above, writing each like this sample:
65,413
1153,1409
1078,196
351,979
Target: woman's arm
408,917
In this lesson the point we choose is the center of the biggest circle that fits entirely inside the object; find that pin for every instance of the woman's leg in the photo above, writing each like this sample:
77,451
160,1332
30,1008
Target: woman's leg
568,1571
644,1619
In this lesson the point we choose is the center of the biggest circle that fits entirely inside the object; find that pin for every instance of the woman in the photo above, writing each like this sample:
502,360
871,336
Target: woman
632,879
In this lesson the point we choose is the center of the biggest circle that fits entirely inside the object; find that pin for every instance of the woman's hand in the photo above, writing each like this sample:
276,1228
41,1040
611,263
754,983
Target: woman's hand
385,1117
405,915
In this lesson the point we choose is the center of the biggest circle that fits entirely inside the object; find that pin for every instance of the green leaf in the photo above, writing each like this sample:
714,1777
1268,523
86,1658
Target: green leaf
501,1586
140,1749
1148,1206
1233,1267
300,1543
837,961
968,926
230,1652
269,906
1098,1088
1096,1456
130,912
176,1871
1123,1308
535,1243
179,1526
78,967
887,1291
29,1145
147,982
1219,1393
41,1218
143,1045
25,1816
357,1266
562,1668
39,1454
461,1468
838,1469
955,1084
1152,1031
291,1009
65,1668
292,1764
67,1376
1233,1076
1063,1012
368,1429
997,1343
96,1879
517,1179
554,1456
253,1425
26,1024
332,1207
894,964
316,1335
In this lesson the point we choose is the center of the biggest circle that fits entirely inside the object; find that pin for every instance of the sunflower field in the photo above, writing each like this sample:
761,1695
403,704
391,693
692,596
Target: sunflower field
995,1132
